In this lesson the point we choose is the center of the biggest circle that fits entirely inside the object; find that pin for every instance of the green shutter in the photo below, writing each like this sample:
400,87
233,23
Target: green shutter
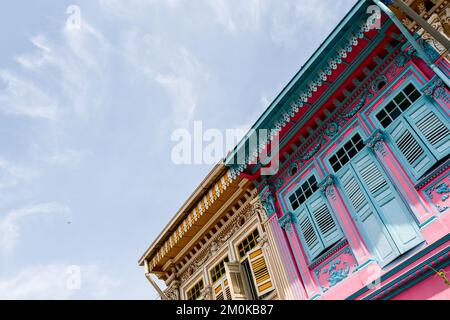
326,224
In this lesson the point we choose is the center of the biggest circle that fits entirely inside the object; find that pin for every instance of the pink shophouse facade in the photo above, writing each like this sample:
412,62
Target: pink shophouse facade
360,206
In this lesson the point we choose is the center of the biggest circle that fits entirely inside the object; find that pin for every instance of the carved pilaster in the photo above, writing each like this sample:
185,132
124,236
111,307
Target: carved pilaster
286,222
436,89
376,142
327,186
268,201
173,291
207,293
263,240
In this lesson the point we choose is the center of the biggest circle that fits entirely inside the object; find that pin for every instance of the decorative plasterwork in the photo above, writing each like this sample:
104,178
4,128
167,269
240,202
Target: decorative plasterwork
436,89
433,175
390,69
439,193
220,239
268,202
336,267
173,291
286,221
207,201
306,94
376,142
326,186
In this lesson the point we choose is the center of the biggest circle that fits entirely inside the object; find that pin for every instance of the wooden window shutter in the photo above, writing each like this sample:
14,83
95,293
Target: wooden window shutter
313,244
222,290
370,224
326,224
432,128
260,272
391,207
235,280
218,292
416,154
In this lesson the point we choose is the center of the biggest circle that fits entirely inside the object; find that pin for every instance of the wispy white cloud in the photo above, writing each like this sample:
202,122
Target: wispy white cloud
22,97
10,224
13,174
237,15
66,157
60,77
179,73
56,281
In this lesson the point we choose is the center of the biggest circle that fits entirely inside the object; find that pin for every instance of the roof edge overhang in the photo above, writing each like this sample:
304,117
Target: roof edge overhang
302,75
217,171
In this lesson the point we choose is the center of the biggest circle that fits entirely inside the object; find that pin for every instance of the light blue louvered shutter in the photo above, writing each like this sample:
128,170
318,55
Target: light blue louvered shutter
431,128
414,151
308,234
386,199
327,225
370,224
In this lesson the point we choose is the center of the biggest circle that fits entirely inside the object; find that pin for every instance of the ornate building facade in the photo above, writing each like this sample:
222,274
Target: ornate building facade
360,205
219,246
362,208
436,13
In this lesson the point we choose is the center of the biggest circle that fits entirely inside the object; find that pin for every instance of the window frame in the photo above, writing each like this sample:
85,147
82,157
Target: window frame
405,118
306,206
189,289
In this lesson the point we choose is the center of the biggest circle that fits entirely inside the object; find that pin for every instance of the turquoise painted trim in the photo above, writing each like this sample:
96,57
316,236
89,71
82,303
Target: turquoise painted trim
346,23
359,130
410,272
427,223
325,97
365,264
338,82
285,204
317,296
403,265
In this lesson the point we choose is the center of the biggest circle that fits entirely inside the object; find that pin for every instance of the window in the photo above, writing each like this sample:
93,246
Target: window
220,283
316,224
303,193
222,290
218,271
381,215
260,272
418,131
346,153
398,105
248,243
196,291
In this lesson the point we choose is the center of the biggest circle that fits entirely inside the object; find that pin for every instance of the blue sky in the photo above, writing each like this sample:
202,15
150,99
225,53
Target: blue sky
86,116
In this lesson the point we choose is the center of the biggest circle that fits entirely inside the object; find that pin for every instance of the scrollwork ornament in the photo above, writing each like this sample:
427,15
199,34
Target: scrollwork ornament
376,142
327,186
286,222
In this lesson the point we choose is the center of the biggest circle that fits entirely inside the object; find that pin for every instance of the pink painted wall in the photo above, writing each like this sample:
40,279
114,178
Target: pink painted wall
432,288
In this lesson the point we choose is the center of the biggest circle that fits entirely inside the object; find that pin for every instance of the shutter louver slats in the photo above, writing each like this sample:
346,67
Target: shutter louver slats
433,129
409,147
373,178
313,245
260,272
414,151
374,229
327,226
388,205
